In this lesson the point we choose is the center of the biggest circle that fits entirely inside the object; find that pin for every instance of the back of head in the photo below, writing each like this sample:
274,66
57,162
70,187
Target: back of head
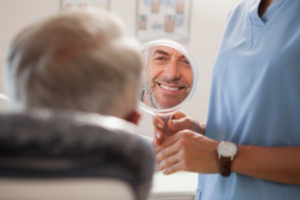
78,60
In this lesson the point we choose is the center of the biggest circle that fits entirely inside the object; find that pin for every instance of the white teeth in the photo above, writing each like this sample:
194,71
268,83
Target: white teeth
169,88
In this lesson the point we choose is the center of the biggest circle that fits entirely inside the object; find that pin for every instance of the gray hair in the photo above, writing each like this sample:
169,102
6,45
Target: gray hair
76,60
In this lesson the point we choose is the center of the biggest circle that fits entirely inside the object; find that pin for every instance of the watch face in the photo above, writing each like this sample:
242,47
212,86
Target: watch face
227,149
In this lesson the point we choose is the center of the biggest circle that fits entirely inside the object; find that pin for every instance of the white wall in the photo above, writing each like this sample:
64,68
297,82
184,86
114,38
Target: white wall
206,26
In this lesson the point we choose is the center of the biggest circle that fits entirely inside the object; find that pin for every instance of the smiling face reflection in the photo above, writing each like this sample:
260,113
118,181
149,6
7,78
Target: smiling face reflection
169,78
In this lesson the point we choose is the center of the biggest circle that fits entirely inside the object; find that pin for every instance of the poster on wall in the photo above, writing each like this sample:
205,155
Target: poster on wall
71,4
167,19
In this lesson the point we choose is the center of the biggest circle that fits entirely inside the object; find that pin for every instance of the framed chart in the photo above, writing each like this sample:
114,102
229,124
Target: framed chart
70,4
163,19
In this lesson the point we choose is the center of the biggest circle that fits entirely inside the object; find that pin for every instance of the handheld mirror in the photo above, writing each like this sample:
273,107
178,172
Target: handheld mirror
169,80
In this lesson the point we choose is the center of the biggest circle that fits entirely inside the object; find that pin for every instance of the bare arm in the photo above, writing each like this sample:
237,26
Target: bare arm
279,164
190,151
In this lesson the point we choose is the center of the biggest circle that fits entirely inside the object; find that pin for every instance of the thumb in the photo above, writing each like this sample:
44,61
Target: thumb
179,124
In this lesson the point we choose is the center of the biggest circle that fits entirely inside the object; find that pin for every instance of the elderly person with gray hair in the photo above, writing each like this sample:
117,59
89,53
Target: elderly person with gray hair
78,60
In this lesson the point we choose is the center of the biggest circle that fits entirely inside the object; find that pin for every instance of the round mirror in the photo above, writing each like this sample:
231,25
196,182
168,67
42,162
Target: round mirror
169,81
170,77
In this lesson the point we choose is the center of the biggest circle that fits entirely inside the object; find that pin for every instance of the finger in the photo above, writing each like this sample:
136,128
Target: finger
168,162
179,115
179,124
158,122
174,168
167,142
167,152
155,142
158,136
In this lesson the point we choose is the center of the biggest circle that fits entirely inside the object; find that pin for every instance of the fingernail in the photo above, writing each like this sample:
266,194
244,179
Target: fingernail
159,125
158,135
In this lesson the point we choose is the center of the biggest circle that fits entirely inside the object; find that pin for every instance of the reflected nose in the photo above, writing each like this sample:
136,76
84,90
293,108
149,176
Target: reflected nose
172,70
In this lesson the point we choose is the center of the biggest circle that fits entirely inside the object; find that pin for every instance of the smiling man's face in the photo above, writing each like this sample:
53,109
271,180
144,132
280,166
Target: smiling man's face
169,78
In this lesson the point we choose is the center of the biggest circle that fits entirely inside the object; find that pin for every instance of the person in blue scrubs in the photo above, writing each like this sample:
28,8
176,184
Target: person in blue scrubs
254,102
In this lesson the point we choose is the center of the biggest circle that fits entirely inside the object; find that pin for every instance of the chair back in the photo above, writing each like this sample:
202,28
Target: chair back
69,155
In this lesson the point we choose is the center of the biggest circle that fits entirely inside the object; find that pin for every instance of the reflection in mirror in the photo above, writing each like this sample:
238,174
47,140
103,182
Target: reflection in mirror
168,77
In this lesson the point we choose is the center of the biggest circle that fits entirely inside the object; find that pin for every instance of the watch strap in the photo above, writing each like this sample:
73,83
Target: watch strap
225,166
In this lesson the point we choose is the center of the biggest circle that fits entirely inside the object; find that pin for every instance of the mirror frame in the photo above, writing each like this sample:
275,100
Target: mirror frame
181,48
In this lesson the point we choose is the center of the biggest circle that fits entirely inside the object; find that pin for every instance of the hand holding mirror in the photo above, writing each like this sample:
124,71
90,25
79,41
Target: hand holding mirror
170,79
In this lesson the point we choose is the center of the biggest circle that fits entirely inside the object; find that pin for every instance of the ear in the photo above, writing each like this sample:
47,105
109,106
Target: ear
134,117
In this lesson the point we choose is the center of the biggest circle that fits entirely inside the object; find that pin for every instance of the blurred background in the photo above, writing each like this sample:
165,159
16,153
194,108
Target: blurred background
207,21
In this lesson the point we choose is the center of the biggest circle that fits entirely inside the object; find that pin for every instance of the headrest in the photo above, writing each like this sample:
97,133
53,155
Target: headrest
66,144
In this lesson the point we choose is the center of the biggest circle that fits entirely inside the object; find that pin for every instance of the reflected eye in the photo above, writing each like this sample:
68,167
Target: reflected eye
161,60
185,63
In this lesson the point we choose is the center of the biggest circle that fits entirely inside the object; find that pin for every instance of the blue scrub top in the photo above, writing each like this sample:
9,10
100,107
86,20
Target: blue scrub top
255,94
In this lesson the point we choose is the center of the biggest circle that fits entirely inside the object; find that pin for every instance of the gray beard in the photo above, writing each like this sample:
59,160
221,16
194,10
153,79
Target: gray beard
150,94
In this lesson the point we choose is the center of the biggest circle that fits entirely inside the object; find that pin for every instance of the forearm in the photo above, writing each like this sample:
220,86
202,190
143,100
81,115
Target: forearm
280,164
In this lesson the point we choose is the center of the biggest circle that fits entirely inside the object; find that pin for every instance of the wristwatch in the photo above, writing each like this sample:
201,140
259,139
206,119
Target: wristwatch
226,151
